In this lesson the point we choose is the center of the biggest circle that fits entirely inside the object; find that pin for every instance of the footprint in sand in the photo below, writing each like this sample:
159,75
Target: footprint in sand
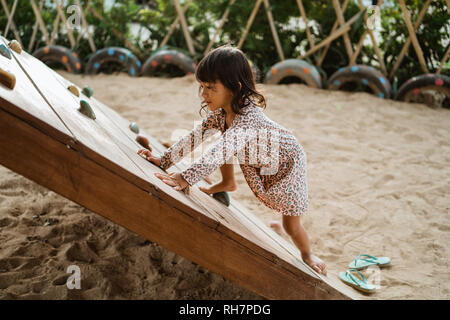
384,180
413,138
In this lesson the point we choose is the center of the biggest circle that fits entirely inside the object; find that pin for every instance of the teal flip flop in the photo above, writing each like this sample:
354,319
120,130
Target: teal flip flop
360,284
364,260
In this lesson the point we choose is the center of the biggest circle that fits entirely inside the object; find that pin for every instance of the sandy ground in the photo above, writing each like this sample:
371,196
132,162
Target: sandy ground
378,176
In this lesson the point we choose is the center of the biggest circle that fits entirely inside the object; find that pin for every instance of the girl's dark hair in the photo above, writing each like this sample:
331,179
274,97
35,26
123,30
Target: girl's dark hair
231,67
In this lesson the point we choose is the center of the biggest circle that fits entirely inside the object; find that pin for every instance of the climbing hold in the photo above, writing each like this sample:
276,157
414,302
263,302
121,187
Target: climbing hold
15,45
222,197
74,90
4,51
143,141
134,127
86,109
7,79
87,91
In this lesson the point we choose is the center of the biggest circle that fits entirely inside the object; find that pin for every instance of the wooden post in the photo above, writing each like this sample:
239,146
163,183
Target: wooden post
305,19
335,25
408,40
13,11
174,24
345,28
85,26
55,29
358,49
412,34
68,29
13,25
184,27
249,23
374,41
33,35
118,34
274,30
340,18
41,23
443,61
222,22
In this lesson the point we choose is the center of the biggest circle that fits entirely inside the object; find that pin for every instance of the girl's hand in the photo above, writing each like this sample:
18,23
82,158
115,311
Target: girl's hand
145,153
174,180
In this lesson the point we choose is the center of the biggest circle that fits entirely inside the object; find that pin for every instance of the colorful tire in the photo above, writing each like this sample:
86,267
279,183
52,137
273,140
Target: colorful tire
430,81
294,68
116,54
366,75
168,57
59,54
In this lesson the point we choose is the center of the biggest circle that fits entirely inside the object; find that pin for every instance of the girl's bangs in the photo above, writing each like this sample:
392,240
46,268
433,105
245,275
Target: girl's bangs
206,72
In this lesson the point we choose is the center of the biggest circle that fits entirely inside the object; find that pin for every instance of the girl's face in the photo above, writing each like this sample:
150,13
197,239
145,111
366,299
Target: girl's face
216,95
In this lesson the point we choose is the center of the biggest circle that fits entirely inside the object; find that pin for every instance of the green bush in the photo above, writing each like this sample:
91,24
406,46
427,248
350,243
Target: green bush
203,15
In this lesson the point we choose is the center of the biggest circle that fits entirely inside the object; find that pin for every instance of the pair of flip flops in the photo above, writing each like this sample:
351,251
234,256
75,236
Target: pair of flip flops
362,261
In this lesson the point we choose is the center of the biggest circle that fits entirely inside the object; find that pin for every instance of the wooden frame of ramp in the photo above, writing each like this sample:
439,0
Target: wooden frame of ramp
94,163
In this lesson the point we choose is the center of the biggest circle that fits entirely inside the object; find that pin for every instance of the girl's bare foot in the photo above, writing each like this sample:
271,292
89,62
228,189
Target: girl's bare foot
276,226
316,263
219,187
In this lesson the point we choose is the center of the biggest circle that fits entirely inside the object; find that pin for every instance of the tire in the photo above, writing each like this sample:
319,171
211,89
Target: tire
423,82
294,68
59,54
366,75
117,54
168,57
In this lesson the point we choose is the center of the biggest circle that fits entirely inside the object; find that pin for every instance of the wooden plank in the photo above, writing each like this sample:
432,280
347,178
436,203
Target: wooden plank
31,104
79,178
118,130
90,137
412,35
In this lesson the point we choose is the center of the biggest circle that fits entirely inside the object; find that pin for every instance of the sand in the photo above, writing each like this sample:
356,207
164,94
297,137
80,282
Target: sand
378,177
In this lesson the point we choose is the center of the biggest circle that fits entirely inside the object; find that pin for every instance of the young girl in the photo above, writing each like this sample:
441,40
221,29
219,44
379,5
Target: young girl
227,86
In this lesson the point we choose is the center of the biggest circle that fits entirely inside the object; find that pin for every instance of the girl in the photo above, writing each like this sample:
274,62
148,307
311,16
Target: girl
227,86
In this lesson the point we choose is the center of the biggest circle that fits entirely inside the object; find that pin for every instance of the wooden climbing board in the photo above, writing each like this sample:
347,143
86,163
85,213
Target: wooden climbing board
95,164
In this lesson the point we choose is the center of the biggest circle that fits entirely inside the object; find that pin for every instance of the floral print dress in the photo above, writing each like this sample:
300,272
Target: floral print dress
272,160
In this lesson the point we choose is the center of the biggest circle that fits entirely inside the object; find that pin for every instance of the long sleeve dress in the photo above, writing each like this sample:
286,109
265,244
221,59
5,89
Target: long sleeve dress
272,160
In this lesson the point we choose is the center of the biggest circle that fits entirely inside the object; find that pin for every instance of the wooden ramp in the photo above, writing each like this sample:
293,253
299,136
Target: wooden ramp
94,163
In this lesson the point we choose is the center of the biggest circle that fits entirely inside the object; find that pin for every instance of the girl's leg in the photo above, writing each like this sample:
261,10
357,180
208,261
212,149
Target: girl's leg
228,182
294,228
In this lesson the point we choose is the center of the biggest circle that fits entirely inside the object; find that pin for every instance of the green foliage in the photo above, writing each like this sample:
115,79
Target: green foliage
203,16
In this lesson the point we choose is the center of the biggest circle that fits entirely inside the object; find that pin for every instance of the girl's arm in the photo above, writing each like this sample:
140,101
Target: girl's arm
232,141
192,140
